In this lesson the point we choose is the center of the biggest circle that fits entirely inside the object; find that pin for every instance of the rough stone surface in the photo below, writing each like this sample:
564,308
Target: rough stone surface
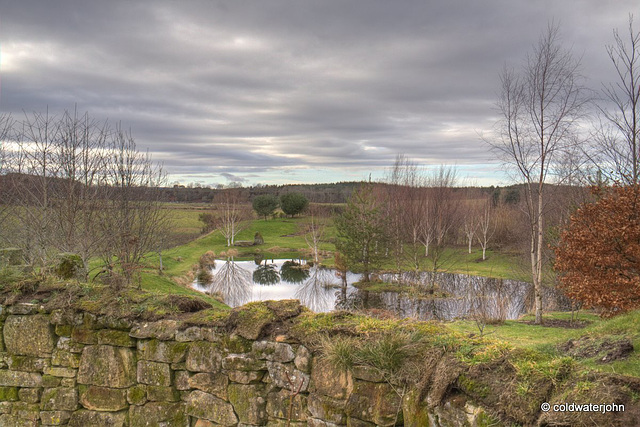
59,399
162,351
203,357
162,330
115,337
54,418
20,379
204,405
278,405
154,373
326,408
159,414
328,381
103,398
246,377
287,376
303,359
274,351
249,403
107,366
85,418
374,402
29,335
215,384
241,362
27,363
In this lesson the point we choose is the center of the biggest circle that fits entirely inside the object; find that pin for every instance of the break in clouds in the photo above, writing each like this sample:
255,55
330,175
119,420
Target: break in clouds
291,91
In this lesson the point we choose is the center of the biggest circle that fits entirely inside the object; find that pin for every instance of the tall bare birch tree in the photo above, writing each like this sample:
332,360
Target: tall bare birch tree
540,107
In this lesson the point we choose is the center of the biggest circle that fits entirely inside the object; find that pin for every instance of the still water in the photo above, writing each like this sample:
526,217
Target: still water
322,290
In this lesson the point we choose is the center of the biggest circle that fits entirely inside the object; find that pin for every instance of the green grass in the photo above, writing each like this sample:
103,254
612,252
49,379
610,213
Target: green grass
547,339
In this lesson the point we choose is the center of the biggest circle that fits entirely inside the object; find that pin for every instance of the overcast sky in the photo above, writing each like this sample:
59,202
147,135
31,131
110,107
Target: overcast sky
291,91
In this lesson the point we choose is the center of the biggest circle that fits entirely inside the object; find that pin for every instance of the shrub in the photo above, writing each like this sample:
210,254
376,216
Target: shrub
293,203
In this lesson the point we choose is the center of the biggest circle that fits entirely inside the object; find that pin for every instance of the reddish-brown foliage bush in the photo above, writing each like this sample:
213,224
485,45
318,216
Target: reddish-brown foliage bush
598,257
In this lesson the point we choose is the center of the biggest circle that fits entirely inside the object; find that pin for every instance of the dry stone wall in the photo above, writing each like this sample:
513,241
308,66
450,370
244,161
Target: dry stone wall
80,370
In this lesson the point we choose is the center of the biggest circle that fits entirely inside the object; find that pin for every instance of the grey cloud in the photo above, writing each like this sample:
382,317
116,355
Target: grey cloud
250,88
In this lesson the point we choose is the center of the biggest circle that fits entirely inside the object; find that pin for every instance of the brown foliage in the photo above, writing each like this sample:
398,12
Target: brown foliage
599,253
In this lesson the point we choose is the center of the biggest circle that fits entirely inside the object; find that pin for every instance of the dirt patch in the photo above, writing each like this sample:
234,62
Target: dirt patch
561,323
604,350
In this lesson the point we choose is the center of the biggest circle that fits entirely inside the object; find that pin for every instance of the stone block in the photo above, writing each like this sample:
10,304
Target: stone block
327,409
278,405
86,418
107,366
137,395
30,395
20,379
9,394
157,393
193,333
159,414
59,399
241,362
27,363
54,418
65,358
154,373
377,403
162,351
303,359
206,406
215,384
246,377
62,372
329,381
162,329
103,398
115,337
181,380
275,351
287,376
249,402
203,356
84,336
29,335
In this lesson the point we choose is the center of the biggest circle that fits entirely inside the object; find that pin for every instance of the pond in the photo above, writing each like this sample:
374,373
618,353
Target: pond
321,290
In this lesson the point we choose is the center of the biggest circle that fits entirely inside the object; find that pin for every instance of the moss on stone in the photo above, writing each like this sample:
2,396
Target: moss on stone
8,394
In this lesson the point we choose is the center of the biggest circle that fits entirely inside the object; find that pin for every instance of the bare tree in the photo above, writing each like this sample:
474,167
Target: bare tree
486,227
231,215
540,107
6,128
314,232
619,142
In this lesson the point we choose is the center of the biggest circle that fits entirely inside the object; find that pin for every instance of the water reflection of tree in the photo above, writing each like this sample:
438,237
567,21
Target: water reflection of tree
315,292
266,274
232,282
293,272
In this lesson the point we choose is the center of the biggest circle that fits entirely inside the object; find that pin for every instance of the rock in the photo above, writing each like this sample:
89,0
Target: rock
154,373
248,402
193,333
215,384
159,414
57,371
27,363
258,239
330,382
115,337
30,395
137,395
29,335
240,362
246,377
103,398
65,358
181,380
162,394
162,329
327,409
84,336
204,405
274,351
85,418
54,418
367,373
278,405
374,402
107,366
20,379
162,351
203,356
287,376
9,394
303,359
314,422
59,399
